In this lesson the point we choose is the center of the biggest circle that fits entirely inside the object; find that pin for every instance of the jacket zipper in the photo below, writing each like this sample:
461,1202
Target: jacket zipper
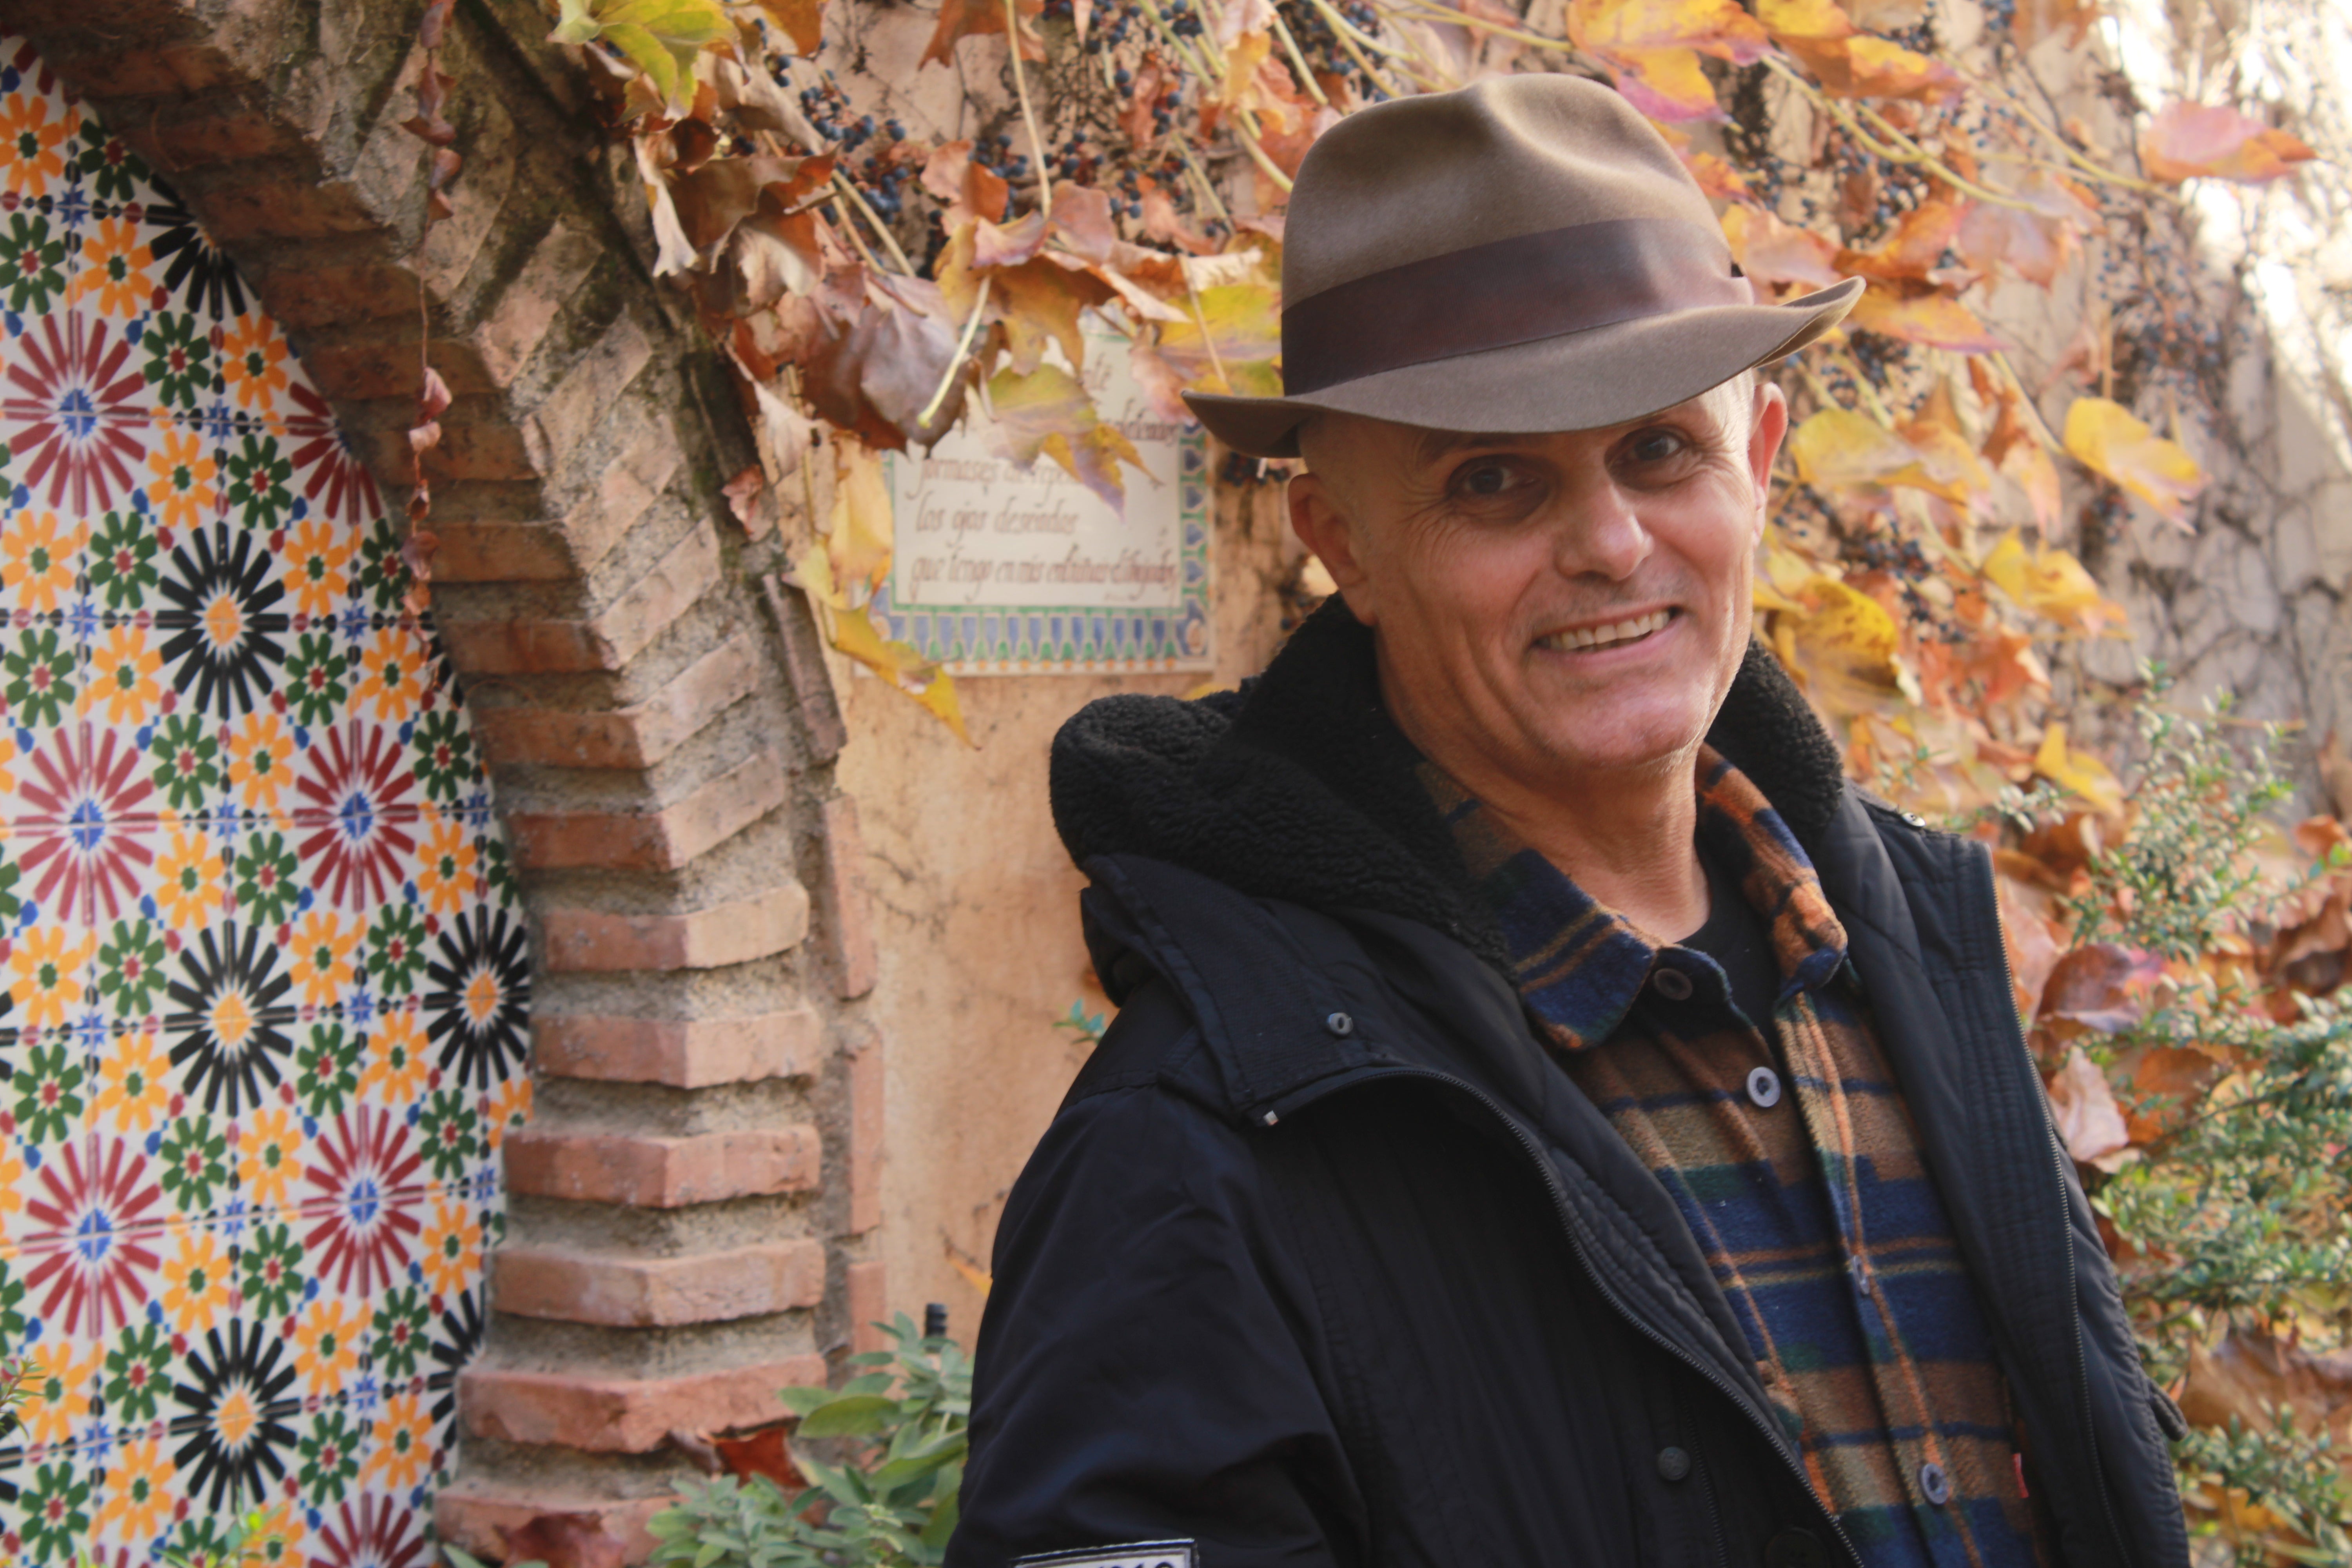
1983,865
1560,1210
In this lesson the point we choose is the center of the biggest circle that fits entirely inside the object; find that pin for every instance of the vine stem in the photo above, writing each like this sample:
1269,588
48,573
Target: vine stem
1201,176
962,348
881,230
1028,116
1200,60
1201,318
1898,148
1346,35
2080,160
1305,77
1272,170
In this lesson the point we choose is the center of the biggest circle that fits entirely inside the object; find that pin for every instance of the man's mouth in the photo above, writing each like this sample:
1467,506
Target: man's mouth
1613,634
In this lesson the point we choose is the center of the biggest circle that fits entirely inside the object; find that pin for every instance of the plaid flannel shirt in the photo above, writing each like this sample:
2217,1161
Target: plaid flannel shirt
1803,1183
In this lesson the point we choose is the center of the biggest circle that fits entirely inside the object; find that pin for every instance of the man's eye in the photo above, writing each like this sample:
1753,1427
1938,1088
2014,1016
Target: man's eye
1656,447
1488,480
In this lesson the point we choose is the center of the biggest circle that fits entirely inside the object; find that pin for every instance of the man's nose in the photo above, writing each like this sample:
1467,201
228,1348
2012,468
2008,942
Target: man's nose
1602,534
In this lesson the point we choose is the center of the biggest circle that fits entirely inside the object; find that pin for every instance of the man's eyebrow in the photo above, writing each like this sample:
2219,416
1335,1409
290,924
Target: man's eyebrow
1436,444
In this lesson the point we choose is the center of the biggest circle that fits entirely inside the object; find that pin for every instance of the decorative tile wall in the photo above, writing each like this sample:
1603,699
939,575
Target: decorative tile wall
263,978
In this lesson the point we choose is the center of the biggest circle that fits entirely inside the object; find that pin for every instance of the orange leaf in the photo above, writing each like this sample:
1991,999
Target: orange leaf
1771,251
2186,141
1916,247
1938,320
1869,66
1842,450
2036,245
2105,437
970,191
803,21
1818,19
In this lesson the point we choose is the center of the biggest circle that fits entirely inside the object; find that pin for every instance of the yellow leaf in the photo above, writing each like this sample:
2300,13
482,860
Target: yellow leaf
2185,141
2051,584
1846,645
1839,448
2077,770
1804,19
1048,411
2105,437
858,536
2029,464
855,633
1654,45
1868,67
1244,322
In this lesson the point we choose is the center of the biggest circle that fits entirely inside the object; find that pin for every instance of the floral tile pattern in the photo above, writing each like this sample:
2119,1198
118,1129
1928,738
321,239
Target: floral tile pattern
263,978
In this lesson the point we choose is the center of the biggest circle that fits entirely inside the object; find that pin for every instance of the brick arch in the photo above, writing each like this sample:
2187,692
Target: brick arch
691,1200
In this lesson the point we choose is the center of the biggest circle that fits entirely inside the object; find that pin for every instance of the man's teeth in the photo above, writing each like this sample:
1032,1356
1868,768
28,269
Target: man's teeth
1610,635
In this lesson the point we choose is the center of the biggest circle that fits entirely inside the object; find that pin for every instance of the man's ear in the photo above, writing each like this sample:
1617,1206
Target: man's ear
1764,445
1324,528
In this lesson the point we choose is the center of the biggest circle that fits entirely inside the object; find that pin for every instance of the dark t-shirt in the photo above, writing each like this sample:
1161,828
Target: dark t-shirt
1736,937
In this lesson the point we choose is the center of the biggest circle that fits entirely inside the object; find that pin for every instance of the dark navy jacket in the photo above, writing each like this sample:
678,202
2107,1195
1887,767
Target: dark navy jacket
1324,1261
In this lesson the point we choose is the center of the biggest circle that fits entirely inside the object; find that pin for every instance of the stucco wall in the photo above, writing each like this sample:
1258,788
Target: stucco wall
976,918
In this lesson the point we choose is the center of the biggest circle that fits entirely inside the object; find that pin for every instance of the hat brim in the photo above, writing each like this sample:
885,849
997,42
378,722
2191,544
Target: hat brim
1579,381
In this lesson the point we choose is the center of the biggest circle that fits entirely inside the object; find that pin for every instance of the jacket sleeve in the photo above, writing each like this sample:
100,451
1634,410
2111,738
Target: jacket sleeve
1140,1376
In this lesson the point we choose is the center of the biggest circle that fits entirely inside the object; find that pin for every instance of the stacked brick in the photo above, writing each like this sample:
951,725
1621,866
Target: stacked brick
691,1200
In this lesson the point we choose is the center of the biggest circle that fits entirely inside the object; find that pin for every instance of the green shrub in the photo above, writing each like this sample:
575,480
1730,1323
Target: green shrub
899,1429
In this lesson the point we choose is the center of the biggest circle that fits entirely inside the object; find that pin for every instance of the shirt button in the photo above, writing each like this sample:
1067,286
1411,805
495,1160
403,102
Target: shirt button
1764,1088
1670,984
1935,1484
1861,1272
1673,1464
1914,819
1340,1023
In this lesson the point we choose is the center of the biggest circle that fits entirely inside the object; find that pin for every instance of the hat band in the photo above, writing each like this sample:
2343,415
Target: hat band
1506,292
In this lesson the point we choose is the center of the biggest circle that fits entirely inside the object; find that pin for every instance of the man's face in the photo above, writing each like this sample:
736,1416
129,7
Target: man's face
1549,609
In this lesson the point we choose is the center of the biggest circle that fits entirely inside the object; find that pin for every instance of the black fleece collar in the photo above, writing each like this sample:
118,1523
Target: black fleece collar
1300,786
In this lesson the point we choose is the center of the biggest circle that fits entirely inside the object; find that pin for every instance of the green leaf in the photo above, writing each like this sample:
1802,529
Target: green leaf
799,1399
853,1415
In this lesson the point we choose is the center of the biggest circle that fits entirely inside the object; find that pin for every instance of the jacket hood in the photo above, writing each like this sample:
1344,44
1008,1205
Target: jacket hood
1300,786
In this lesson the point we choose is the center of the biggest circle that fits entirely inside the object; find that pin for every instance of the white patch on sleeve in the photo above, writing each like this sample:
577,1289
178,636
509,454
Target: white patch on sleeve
1132,1554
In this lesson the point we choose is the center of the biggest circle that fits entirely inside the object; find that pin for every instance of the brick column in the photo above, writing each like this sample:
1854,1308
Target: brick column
686,1202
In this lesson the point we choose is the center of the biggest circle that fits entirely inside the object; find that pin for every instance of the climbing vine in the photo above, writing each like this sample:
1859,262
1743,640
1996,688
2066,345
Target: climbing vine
1943,508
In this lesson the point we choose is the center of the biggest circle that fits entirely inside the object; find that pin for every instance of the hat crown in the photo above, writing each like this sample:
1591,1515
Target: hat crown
1419,177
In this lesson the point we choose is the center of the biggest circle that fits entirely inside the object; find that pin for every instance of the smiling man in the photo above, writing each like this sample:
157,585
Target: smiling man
1553,1117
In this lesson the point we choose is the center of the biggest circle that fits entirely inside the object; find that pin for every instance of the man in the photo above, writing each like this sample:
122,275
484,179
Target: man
1553,1117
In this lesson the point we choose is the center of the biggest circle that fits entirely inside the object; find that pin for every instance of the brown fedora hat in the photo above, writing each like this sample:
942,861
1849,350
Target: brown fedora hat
1525,253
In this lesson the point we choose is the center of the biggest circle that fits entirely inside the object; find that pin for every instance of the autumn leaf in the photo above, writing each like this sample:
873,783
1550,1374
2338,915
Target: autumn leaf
660,38
2186,141
2077,770
1812,19
1866,66
1839,448
853,631
968,18
902,665
1842,642
1914,249
2051,585
1770,251
2105,437
1048,411
2034,244
970,191
1653,47
801,21
1937,321
2089,1123
858,532
1243,323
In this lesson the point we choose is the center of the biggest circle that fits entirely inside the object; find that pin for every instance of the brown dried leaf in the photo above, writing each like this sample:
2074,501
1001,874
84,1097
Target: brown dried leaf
424,437
2249,1373
801,21
765,1452
742,493
430,128
434,23
433,399
1770,251
2084,1109
2101,987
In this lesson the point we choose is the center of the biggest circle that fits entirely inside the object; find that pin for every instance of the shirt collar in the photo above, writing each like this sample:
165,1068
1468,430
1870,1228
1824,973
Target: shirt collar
1580,964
